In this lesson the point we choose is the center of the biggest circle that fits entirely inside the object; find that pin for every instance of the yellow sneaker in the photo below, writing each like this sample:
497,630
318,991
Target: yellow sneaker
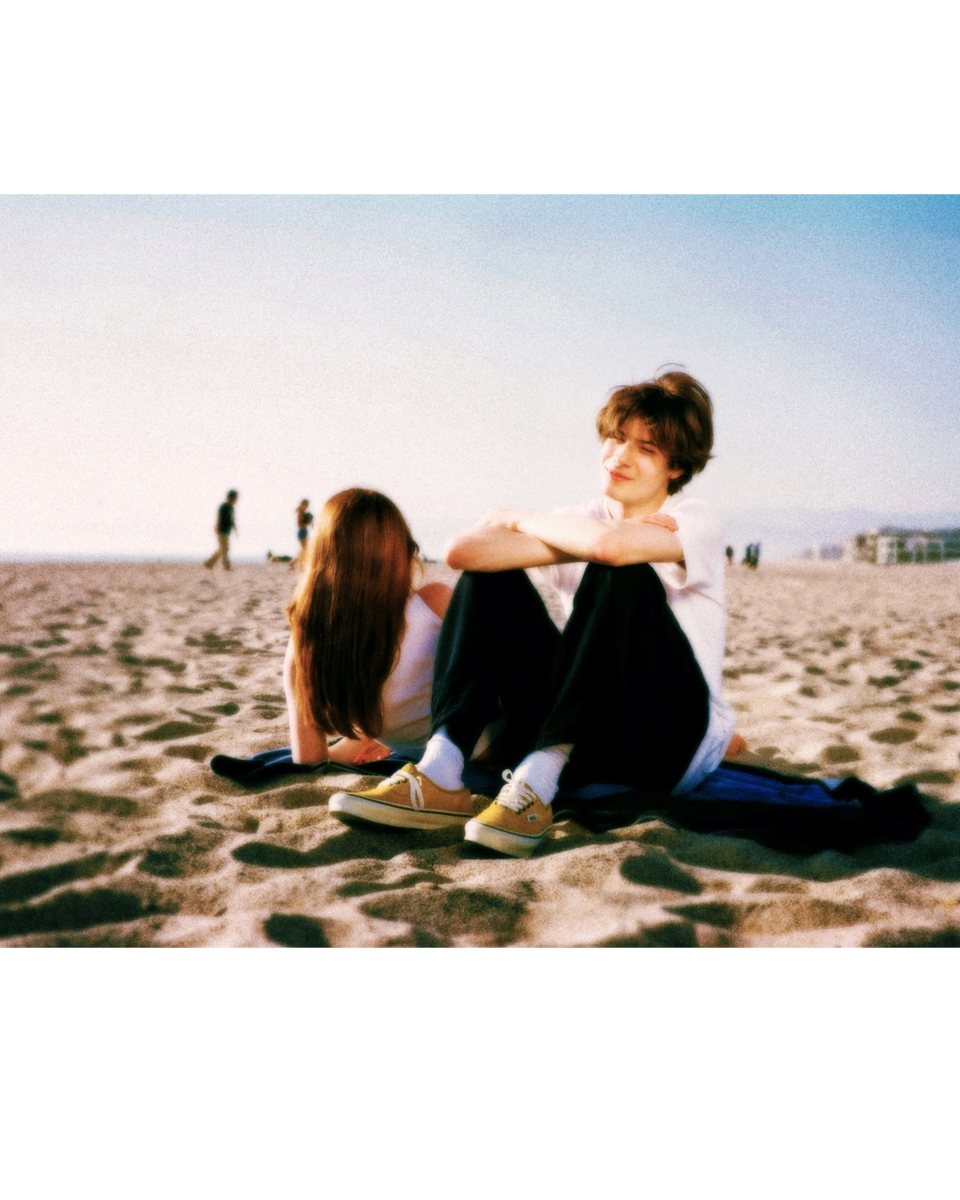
408,799
515,823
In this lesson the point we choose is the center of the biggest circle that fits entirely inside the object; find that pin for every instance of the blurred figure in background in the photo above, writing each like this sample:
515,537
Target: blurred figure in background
304,521
226,524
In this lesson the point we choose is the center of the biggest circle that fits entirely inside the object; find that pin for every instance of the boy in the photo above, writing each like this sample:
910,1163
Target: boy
630,691
226,524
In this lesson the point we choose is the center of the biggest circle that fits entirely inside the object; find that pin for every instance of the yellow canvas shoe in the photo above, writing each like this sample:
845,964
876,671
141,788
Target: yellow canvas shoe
408,799
515,823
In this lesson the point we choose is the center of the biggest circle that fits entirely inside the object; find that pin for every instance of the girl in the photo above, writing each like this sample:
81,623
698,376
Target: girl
359,662
304,520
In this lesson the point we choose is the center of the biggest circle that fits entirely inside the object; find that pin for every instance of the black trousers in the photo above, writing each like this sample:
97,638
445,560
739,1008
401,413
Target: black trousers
620,682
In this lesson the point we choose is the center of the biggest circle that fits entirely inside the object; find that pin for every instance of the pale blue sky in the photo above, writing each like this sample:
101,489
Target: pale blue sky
453,352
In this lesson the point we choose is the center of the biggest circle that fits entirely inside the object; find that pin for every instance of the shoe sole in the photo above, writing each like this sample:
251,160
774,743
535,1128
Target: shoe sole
514,844
347,804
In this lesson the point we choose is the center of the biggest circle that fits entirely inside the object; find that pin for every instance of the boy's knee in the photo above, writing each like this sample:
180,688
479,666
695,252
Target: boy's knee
493,582
631,579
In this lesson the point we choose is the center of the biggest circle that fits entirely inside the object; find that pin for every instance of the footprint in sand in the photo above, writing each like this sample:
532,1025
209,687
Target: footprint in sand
840,754
195,753
37,670
142,718
15,889
893,735
169,731
64,800
73,911
293,929
33,835
947,938
668,934
369,887
443,916
67,744
173,856
69,910
654,868
785,915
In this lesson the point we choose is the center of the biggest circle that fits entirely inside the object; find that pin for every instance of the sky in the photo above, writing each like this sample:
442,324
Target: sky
453,351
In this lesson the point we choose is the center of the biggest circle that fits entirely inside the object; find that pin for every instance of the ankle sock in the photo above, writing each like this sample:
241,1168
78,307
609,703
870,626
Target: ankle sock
541,770
442,762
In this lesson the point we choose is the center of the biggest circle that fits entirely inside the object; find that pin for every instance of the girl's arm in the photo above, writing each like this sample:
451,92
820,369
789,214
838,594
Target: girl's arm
436,596
354,751
307,743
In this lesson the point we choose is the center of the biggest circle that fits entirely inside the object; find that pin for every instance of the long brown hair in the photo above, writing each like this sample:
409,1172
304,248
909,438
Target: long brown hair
679,413
347,616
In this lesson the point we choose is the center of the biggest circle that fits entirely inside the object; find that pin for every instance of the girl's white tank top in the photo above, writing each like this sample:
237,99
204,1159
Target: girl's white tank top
406,694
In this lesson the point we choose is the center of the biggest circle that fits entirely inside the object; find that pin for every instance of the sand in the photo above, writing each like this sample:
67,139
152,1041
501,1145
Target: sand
119,681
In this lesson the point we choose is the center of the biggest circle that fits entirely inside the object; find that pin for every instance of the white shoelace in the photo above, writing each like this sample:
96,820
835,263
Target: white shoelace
416,791
517,795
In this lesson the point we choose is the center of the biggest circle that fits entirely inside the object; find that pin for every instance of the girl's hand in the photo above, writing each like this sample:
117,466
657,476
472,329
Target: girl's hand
372,752
353,751
664,520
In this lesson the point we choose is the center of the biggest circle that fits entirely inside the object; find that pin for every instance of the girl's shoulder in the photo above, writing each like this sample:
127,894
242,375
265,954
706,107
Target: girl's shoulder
436,596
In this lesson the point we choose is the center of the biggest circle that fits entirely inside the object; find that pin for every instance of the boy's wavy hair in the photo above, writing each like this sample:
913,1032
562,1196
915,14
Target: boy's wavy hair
679,413
347,617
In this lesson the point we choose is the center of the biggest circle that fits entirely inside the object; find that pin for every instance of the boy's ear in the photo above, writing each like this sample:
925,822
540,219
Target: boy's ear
675,473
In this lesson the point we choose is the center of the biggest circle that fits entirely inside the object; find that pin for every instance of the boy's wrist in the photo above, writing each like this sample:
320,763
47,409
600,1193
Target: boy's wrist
509,519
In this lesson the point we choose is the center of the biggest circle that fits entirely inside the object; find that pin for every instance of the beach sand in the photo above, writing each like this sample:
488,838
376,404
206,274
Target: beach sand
119,681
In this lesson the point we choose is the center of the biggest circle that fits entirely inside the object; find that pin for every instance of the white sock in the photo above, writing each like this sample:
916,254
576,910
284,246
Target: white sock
442,762
541,770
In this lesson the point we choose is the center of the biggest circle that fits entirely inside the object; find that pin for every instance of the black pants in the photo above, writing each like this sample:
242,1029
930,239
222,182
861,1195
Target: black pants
620,682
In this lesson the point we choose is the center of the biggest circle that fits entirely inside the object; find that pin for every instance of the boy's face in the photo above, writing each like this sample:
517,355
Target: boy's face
636,473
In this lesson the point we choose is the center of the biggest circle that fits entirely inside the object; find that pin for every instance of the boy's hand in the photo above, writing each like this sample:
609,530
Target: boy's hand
664,520
502,518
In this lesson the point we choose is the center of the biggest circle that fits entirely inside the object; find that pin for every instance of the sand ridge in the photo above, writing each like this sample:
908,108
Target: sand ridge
118,682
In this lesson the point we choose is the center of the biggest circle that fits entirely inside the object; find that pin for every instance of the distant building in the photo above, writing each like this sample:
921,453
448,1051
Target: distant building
891,545
824,553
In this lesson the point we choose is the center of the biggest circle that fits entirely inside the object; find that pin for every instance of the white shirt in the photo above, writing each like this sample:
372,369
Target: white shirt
695,591
406,694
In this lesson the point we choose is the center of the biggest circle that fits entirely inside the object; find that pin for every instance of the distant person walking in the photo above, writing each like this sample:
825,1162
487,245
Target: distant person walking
226,524
752,556
729,553
304,521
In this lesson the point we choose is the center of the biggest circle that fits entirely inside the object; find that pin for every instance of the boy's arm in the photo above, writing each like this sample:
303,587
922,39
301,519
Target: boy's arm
545,538
495,548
